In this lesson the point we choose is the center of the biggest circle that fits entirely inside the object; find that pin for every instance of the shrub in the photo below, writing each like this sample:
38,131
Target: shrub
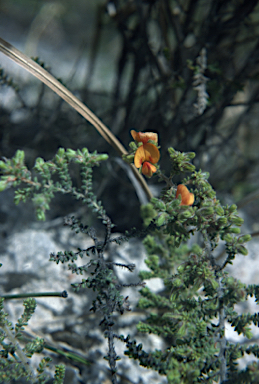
198,298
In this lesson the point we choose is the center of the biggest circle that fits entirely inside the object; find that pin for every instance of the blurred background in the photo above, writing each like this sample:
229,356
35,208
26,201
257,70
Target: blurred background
187,70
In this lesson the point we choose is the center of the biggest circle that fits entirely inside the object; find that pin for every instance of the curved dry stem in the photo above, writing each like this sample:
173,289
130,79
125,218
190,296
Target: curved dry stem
36,70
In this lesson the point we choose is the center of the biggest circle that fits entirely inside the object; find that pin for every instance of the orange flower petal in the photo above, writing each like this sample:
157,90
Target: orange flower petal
146,152
139,157
148,169
143,137
187,197
152,153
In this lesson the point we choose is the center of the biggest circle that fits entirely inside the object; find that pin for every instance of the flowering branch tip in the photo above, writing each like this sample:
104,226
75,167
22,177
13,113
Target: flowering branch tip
147,154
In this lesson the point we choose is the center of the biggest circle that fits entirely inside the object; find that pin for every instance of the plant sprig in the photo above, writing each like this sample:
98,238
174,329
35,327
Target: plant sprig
51,177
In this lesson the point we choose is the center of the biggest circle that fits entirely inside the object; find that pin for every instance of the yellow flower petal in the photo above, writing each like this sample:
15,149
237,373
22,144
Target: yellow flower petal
139,157
148,169
143,137
186,195
146,152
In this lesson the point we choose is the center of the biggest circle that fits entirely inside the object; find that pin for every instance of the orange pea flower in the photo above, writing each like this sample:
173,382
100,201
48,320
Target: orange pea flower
143,137
187,197
147,154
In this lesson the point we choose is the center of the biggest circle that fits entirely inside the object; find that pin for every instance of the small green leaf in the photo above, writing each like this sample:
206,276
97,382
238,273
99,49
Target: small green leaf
161,219
101,157
244,239
241,249
3,185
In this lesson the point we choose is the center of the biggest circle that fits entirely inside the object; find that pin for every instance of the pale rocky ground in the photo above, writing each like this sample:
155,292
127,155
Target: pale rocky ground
68,322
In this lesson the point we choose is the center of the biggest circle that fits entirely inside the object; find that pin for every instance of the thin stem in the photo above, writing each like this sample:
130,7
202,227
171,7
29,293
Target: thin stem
108,231
68,354
222,338
38,294
19,352
169,182
112,355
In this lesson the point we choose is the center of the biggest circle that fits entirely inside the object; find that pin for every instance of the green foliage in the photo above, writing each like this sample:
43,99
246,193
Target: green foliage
101,279
53,177
29,309
14,363
181,161
198,297
59,374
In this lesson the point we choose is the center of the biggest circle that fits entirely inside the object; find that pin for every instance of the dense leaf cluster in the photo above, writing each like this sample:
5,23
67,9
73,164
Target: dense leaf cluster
198,298
14,363
53,177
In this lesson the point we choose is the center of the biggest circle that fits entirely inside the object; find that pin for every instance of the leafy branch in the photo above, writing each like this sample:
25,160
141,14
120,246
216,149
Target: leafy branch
14,360
102,280
53,177
45,77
